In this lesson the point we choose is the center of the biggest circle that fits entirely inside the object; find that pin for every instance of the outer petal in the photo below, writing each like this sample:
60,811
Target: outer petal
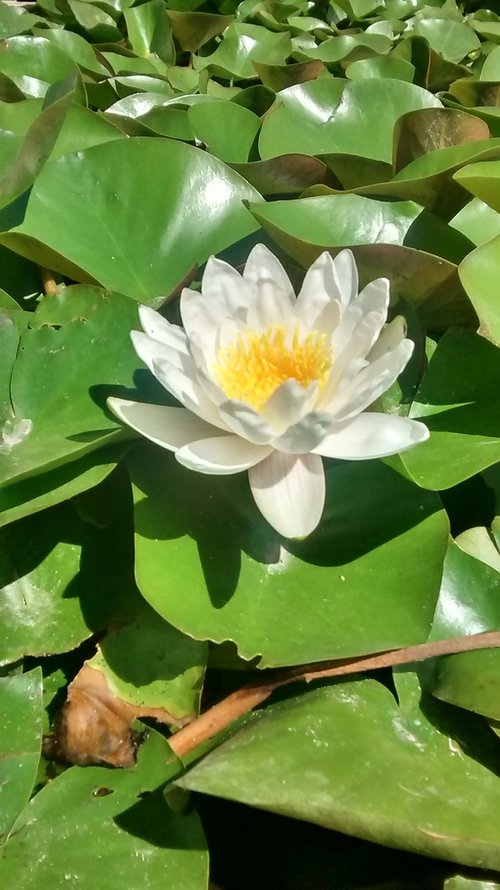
169,427
151,351
362,321
264,271
221,456
157,327
372,435
289,491
390,337
224,294
369,384
182,383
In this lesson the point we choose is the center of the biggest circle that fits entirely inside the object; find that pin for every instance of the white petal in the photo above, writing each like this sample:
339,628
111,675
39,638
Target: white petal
363,319
169,427
270,306
372,435
289,491
370,383
389,338
157,327
224,294
345,273
306,434
221,456
288,404
320,288
183,384
243,420
265,272
150,350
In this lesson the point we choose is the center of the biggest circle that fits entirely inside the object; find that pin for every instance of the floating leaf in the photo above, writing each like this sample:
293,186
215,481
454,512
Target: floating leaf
57,394
468,603
479,276
142,261
326,116
210,565
121,817
459,409
348,757
21,720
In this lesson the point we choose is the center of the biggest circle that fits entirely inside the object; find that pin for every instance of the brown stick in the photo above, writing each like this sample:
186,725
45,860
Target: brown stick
225,712
48,281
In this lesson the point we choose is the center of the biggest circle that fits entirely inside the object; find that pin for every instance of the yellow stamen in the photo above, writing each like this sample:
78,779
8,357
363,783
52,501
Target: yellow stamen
253,367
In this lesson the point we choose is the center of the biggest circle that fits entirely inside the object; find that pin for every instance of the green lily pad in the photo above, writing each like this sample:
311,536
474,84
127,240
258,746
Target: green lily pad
38,142
193,29
21,720
80,129
343,220
121,817
479,275
460,408
209,564
333,115
228,130
288,174
37,58
306,227
150,664
57,393
62,580
452,40
381,66
167,180
149,30
415,775
426,130
468,603
477,221
242,44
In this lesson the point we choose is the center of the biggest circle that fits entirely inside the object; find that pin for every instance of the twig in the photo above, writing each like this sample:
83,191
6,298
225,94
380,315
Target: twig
225,712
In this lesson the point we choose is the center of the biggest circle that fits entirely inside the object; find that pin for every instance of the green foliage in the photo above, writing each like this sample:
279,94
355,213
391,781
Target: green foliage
137,140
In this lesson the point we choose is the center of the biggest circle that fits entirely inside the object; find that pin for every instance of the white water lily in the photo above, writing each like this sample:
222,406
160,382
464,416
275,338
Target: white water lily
270,382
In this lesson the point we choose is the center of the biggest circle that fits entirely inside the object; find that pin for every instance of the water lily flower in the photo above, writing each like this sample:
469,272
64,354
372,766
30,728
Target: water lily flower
271,383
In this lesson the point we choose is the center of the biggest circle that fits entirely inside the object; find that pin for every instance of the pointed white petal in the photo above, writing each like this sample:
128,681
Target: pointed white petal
345,274
183,384
243,420
224,294
270,306
150,350
225,289
363,319
288,404
157,327
372,435
370,383
221,456
264,271
389,338
289,491
306,434
321,288
169,427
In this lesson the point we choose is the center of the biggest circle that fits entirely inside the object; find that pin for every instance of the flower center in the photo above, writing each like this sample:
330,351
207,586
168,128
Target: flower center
253,367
